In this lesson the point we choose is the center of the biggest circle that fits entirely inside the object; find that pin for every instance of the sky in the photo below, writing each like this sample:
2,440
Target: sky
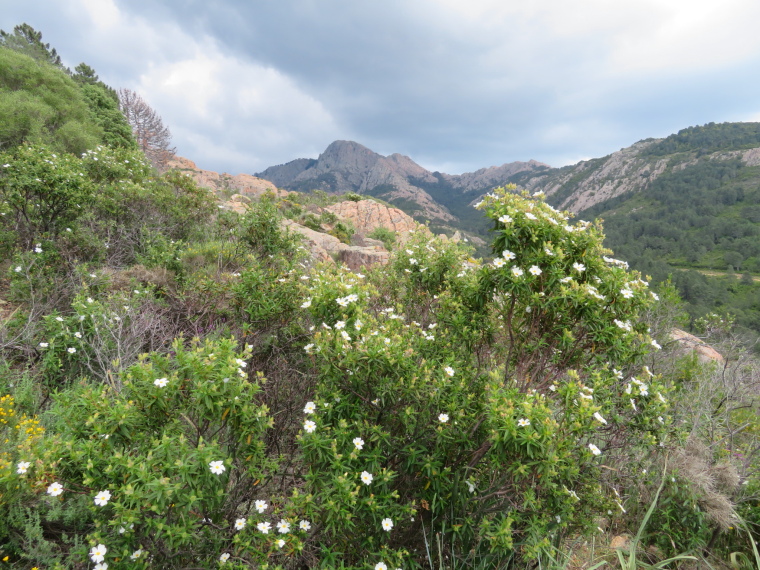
456,85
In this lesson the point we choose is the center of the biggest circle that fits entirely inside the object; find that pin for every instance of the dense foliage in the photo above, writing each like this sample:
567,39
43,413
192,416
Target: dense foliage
704,216
180,386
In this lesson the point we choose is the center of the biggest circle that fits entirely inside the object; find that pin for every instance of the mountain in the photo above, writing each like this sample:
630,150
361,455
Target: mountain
347,166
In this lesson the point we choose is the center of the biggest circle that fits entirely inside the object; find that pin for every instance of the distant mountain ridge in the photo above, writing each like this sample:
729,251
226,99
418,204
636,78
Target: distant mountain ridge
347,166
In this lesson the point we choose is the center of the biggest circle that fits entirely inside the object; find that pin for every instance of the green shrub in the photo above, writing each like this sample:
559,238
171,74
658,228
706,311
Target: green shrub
388,237
163,468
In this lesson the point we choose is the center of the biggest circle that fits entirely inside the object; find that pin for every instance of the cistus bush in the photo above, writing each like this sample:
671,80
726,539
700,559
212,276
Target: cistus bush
164,468
483,420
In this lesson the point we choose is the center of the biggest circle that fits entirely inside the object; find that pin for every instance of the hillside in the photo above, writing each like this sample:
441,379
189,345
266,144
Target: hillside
685,206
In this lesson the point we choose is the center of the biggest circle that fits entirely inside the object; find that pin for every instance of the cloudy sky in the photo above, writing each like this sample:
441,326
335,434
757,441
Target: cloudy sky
455,84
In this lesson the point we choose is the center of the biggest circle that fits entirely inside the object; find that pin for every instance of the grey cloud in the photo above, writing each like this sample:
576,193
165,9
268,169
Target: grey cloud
401,76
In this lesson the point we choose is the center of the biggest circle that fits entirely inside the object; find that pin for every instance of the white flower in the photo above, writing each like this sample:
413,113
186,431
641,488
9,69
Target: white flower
309,426
241,363
38,249
522,422
283,527
306,304
136,554
19,269
260,506
304,525
548,251
102,498
71,350
366,477
264,527
98,553
54,490
280,543
470,486
309,408
599,418
449,371
358,442
160,382
217,467
101,566
499,262
534,270
309,348
508,255
345,336
412,261
240,524
530,216
22,467
627,293
78,334
654,296
594,449
505,219
566,279
579,267
516,271
339,325
224,557
381,565
443,418
655,344
387,524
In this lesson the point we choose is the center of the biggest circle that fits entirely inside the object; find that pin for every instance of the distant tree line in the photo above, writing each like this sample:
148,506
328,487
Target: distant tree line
708,138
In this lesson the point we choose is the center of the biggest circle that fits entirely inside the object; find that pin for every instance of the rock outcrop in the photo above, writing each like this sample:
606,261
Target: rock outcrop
705,353
327,248
242,184
368,215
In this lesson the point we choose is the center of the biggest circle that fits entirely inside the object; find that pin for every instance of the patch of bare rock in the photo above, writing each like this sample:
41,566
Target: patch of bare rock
690,343
239,185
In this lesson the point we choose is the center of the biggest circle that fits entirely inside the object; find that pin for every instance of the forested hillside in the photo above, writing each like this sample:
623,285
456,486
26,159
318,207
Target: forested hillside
701,214
184,385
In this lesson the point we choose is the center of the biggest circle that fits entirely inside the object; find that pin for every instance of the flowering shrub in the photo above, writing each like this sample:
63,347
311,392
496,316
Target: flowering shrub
159,470
438,411
41,192
487,419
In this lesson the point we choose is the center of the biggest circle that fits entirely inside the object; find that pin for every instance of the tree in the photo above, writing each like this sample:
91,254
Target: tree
27,40
153,137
